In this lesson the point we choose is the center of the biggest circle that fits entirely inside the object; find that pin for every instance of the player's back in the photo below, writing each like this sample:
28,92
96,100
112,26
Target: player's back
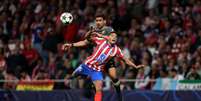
105,30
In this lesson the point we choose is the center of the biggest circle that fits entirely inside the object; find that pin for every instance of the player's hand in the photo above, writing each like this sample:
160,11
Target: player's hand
66,46
92,29
139,66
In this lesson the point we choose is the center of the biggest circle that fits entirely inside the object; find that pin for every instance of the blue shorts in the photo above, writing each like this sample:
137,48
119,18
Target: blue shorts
85,70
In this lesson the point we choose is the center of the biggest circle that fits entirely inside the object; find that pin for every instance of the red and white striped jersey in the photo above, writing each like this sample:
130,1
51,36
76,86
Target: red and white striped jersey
102,53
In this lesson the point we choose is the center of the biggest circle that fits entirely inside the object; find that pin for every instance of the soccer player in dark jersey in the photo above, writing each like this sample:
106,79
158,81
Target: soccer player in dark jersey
104,30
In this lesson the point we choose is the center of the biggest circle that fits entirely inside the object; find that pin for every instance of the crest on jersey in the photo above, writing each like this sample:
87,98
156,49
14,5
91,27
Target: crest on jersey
101,58
112,53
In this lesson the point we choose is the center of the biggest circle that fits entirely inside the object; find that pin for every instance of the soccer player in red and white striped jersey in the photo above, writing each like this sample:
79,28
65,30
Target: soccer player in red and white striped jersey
105,49
103,52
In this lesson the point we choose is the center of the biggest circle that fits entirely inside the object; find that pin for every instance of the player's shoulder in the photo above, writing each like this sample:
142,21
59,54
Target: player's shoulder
118,48
98,38
109,28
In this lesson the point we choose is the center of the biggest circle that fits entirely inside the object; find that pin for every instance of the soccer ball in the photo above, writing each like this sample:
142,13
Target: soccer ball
66,18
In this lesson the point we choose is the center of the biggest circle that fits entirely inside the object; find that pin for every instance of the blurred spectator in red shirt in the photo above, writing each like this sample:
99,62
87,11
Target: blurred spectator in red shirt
30,54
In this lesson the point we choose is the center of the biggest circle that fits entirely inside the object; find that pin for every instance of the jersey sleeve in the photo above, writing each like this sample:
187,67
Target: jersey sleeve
107,30
97,40
119,53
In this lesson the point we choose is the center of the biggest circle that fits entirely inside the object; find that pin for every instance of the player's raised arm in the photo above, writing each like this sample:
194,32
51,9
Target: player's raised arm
126,60
93,33
130,63
93,39
77,44
80,43
88,34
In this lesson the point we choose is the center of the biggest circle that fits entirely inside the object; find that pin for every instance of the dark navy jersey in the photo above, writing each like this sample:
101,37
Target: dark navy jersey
105,30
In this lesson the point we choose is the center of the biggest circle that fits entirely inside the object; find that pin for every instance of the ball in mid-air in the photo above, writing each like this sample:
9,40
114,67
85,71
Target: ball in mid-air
66,18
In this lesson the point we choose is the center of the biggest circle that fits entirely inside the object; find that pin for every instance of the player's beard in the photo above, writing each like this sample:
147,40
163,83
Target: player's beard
99,26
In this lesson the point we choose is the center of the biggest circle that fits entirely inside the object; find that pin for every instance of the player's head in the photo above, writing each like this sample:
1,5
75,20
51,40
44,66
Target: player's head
100,21
112,37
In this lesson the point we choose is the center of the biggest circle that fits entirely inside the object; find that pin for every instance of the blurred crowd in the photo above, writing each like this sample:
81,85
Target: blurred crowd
164,35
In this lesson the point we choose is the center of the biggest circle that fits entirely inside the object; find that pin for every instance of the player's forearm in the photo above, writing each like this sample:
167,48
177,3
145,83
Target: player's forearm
80,43
130,63
87,34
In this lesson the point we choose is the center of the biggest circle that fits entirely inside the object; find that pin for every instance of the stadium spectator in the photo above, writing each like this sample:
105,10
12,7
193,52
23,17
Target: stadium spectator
174,74
193,75
143,79
30,54
15,61
163,82
2,68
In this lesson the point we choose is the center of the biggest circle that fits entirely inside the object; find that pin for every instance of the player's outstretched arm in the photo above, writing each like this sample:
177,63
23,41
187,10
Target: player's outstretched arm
77,44
130,63
80,43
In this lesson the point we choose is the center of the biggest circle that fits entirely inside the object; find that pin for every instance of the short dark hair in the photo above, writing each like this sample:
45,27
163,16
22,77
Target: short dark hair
100,15
113,32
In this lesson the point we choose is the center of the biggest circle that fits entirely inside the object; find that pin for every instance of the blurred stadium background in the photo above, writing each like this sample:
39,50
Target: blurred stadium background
165,35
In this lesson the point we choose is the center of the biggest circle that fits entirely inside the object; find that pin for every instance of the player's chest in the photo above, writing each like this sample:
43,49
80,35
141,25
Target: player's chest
108,51
105,55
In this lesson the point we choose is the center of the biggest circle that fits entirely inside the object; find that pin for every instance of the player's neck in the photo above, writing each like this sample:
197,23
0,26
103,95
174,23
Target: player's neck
101,27
111,44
